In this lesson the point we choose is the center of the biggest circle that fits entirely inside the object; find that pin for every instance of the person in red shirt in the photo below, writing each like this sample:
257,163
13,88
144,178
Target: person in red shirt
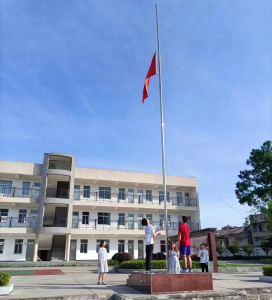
185,245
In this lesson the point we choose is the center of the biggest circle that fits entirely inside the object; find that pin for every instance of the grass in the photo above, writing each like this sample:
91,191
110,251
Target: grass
237,265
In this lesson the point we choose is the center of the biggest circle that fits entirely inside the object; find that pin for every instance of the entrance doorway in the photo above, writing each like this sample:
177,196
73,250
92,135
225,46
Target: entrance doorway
131,247
73,247
140,249
30,250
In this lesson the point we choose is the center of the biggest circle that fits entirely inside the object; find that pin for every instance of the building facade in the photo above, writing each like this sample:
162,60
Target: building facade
57,211
260,231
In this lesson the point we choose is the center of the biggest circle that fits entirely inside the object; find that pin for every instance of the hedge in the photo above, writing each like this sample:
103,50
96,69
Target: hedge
4,278
155,264
121,257
267,270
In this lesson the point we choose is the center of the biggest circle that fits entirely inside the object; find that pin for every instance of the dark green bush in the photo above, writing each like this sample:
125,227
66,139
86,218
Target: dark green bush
112,263
155,264
4,278
121,257
267,270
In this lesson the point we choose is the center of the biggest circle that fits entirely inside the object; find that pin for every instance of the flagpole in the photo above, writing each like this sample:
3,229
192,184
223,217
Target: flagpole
163,150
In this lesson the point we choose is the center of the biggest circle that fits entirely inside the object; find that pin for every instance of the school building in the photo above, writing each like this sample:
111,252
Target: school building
58,211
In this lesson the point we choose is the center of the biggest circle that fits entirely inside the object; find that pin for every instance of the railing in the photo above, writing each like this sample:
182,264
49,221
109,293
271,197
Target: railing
10,222
57,193
61,165
54,222
135,199
264,231
19,192
108,224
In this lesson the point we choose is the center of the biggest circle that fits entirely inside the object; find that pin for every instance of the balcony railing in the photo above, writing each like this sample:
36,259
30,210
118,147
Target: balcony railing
60,165
57,193
15,222
134,199
107,224
54,222
19,192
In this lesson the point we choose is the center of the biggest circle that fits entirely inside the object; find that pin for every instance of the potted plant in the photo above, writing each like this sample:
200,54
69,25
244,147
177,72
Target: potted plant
5,287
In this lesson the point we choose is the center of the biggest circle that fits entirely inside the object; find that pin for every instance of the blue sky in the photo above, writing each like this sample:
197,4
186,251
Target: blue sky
72,75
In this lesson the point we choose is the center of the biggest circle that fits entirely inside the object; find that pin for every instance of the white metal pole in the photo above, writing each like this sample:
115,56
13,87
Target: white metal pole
163,150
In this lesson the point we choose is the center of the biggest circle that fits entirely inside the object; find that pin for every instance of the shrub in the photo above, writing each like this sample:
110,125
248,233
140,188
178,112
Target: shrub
112,263
266,245
195,264
155,264
4,278
233,249
159,256
220,250
121,257
248,249
267,270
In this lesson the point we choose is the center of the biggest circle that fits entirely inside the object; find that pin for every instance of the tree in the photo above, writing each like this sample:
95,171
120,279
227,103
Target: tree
266,245
248,249
220,250
269,215
255,187
233,249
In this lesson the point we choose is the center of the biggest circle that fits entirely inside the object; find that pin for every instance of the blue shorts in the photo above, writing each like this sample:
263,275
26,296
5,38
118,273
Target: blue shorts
185,250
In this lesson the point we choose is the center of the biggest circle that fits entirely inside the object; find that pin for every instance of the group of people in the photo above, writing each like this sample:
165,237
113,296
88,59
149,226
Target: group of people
184,243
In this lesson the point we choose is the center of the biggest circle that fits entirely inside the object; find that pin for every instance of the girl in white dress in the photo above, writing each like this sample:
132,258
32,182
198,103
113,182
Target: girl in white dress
174,266
102,263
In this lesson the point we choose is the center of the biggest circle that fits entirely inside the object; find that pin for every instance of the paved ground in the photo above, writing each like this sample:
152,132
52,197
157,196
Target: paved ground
82,281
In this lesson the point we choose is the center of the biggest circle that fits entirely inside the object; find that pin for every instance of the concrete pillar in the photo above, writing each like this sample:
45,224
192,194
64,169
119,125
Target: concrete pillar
36,246
68,242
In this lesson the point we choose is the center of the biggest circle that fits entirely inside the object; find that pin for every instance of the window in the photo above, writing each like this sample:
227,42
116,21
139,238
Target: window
148,195
104,218
107,246
18,248
104,193
83,246
256,239
122,195
260,228
36,189
85,218
149,217
22,215
121,246
140,196
2,242
131,195
86,191
187,195
130,221
5,187
161,196
163,246
76,192
221,243
25,190
121,220
179,198
3,215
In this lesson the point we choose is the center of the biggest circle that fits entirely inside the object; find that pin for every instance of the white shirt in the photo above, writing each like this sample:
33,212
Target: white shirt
205,258
149,231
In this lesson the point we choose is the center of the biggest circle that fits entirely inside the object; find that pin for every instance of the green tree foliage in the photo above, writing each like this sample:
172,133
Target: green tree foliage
255,187
220,250
233,249
248,249
266,245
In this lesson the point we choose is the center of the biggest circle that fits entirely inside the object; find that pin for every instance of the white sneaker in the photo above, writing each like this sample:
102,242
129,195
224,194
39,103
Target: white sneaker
185,271
99,283
190,270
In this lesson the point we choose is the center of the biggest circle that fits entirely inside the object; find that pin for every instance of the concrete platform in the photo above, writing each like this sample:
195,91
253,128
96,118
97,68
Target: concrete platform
80,283
159,283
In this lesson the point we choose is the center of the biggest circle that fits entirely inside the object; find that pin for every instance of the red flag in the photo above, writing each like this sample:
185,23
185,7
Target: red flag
151,72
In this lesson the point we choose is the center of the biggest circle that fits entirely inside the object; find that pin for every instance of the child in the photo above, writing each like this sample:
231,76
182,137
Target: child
174,266
204,258
149,242
102,263
185,245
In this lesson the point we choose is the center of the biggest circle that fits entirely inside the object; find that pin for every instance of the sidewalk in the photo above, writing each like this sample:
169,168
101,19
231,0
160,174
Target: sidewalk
82,281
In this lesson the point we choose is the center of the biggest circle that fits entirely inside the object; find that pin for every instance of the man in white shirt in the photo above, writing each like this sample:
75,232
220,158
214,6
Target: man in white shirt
149,242
204,258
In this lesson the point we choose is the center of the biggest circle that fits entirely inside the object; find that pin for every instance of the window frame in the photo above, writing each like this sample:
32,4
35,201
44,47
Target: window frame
103,216
82,249
148,196
18,244
121,243
122,194
104,193
121,218
25,189
86,191
4,186
85,217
